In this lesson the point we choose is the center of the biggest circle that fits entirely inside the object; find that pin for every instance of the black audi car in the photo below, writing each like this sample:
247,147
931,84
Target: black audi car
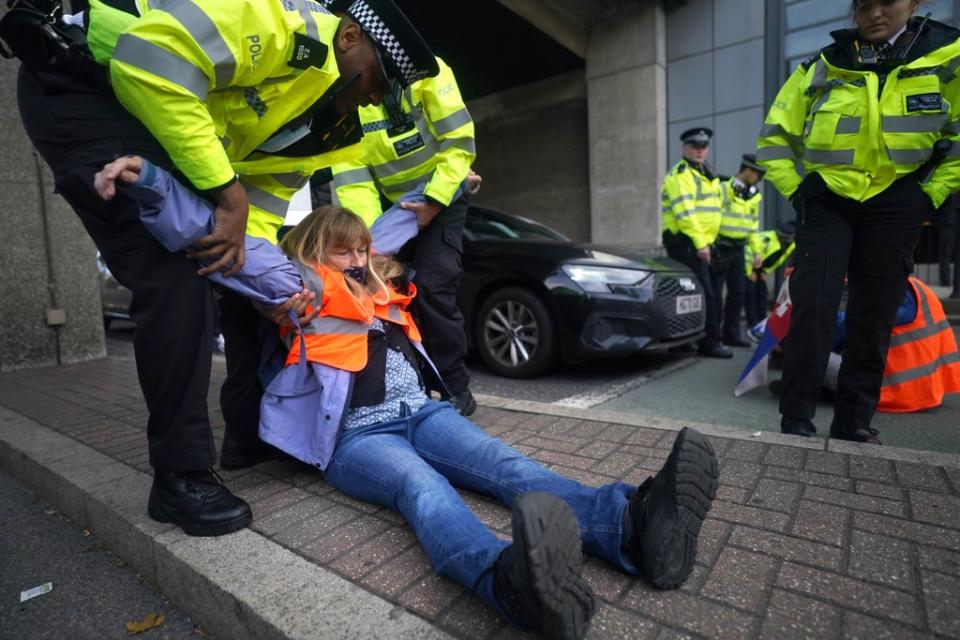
529,295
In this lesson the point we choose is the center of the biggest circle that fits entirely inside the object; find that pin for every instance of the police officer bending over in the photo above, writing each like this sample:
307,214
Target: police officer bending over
864,116
246,99
741,217
690,204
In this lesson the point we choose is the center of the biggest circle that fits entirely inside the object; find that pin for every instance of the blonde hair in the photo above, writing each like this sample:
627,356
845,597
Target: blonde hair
329,227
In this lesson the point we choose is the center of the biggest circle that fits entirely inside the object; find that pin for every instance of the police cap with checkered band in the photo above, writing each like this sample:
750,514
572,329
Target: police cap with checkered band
405,56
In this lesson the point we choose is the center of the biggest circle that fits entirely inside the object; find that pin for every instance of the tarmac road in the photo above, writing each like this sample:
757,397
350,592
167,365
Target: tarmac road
94,593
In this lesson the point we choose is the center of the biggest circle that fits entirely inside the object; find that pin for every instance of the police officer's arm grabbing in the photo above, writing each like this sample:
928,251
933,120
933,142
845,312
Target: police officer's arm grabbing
169,98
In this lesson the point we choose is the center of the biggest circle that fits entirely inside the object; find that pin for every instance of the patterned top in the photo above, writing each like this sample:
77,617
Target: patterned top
402,385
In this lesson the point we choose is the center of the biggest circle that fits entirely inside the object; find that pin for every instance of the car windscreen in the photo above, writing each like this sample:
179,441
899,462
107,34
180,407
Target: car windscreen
483,225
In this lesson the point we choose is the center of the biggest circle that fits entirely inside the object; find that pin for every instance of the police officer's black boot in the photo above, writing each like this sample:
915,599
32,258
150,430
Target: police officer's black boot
464,403
197,502
662,520
863,434
798,427
537,578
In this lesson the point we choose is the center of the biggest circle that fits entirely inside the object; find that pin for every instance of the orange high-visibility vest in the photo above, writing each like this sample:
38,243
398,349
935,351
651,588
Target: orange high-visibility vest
395,311
337,337
923,363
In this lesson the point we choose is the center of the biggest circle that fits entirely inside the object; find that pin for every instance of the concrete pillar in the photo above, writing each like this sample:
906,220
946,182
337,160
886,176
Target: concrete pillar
627,118
50,311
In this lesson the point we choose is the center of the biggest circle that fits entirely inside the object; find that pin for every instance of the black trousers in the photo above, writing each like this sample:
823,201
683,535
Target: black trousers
872,244
242,390
437,258
77,130
948,251
755,300
680,248
727,268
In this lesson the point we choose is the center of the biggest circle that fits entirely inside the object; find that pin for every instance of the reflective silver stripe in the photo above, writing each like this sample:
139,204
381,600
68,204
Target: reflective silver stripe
910,156
311,24
739,216
953,128
684,214
930,327
452,122
311,280
848,125
823,156
409,185
954,150
393,314
422,155
156,60
201,28
700,209
948,70
330,324
291,180
729,228
680,199
774,130
914,124
354,176
922,370
266,201
775,153
819,80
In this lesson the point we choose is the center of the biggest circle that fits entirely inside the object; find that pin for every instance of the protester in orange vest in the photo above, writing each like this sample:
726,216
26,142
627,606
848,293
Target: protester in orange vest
395,447
923,363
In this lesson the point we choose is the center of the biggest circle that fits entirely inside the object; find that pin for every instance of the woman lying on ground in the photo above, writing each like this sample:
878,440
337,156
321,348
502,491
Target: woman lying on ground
396,447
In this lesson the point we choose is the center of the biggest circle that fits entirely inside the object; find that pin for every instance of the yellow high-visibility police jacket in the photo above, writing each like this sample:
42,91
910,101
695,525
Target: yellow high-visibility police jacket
767,245
741,217
690,204
210,81
436,152
860,129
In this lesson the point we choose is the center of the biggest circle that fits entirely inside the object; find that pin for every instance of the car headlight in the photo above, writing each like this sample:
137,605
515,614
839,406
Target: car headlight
601,279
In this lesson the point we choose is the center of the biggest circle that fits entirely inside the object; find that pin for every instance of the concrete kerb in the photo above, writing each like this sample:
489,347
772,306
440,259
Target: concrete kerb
769,437
239,585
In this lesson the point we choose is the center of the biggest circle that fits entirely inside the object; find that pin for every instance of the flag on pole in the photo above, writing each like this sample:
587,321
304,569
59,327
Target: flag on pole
774,328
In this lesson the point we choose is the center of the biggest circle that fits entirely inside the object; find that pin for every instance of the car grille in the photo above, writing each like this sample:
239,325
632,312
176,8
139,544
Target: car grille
668,288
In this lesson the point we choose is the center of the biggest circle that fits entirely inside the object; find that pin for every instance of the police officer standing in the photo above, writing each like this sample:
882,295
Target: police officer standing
764,253
245,100
690,203
423,137
741,217
874,120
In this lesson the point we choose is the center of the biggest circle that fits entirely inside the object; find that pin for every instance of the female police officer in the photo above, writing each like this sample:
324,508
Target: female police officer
864,117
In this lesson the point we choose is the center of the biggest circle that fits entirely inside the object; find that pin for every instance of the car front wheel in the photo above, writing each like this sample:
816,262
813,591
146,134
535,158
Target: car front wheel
517,337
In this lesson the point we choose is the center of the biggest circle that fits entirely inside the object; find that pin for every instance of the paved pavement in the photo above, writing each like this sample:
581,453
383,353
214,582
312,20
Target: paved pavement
807,538
94,595
703,392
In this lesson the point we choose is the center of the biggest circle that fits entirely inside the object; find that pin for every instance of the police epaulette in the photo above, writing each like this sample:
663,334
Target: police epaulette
806,64
681,167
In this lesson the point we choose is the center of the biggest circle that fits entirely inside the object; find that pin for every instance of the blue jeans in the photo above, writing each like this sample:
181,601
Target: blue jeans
410,464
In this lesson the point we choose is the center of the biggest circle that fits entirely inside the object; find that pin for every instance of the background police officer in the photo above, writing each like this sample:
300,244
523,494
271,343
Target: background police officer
864,117
764,253
690,205
424,138
740,199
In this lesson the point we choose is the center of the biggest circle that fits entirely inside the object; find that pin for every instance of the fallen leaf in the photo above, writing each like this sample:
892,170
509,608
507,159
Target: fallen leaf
152,620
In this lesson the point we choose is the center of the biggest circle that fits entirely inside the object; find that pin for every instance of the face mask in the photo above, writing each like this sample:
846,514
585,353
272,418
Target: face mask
357,273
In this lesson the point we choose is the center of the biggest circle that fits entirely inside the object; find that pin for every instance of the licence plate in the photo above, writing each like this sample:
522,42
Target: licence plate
689,304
